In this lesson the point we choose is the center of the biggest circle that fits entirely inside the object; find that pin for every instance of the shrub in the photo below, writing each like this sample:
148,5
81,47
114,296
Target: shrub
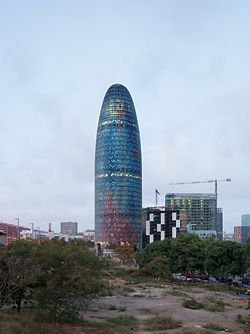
161,322
105,293
158,267
217,306
214,327
192,303
122,309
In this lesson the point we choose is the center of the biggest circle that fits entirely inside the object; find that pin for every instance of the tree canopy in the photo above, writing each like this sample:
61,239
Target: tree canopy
59,277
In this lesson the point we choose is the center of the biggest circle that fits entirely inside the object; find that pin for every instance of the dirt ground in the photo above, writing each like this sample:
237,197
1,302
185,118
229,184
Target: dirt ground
145,300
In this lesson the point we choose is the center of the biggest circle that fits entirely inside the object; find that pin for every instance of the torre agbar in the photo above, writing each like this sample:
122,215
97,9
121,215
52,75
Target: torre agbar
118,171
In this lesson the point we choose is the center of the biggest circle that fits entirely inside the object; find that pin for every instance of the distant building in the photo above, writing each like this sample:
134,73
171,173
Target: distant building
34,234
228,236
245,220
242,233
89,235
3,237
219,224
203,218
11,232
158,223
69,228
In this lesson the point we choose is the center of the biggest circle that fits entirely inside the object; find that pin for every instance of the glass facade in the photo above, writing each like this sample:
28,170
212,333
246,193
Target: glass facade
118,171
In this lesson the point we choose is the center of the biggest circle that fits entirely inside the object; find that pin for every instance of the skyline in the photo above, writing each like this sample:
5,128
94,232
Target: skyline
186,64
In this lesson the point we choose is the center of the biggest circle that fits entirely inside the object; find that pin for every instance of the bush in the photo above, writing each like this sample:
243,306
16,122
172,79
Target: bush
217,306
214,327
161,322
192,303
158,267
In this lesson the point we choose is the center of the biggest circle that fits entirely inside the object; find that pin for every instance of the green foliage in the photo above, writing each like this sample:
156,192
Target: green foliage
216,306
246,255
28,323
183,254
224,258
157,248
124,324
243,319
19,272
122,308
193,304
187,253
161,322
60,278
124,320
104,293
72,275
214,327
158,267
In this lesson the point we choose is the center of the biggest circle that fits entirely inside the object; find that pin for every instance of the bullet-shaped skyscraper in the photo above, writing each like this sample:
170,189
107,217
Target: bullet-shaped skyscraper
118,171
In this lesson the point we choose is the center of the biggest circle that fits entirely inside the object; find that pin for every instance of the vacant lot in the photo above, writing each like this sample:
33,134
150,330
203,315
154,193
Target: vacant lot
186,308
143,308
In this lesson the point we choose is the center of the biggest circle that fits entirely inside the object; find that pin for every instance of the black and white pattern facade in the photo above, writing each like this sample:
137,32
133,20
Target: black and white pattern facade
161,224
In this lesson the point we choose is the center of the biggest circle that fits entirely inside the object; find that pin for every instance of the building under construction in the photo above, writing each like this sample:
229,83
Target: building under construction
201,211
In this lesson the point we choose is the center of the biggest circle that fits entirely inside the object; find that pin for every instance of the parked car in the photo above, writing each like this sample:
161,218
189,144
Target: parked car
213,280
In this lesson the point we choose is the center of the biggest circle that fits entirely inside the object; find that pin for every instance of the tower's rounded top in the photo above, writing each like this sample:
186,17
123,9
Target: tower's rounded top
117,89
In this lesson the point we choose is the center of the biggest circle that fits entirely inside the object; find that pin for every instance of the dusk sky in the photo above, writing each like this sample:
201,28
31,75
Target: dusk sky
186,64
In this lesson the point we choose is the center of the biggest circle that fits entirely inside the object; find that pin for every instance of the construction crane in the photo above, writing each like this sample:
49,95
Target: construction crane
156,196
208,181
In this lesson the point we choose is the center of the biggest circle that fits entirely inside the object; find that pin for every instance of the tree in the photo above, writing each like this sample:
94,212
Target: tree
159,267
187,253
224,258
153,250
246,256
18,272
72,275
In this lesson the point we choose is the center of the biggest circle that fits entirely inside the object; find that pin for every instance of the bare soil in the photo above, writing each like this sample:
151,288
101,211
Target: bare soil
145,300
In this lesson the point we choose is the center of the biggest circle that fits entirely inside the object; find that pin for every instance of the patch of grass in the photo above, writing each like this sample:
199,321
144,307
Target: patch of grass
216,306
176,293
145,310
105,293
122,308
243,319
128,289
193,304
161,322
26,323
138,295
247,330
219,288
214,327
124,324
197,331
